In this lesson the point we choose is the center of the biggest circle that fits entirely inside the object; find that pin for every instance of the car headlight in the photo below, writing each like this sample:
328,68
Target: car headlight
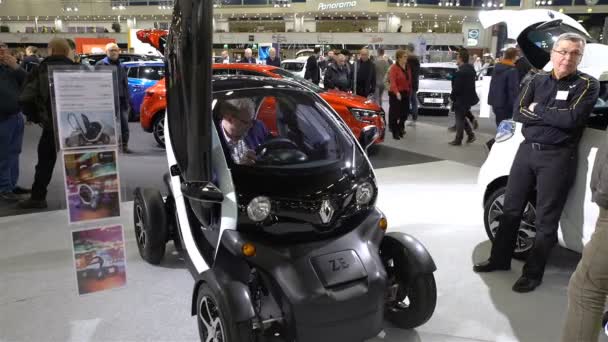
359,114
364,193
505,130
259,208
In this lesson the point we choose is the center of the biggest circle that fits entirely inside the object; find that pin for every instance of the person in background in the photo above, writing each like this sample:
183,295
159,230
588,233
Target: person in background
73,55
504,86
312,72
523,67
273,59
35,100
113,59
31,59
248,57
366,75
400,87
477,65
381,64
588,289
327,61
463,97
413,64
553,108
337,75
226,57
11,125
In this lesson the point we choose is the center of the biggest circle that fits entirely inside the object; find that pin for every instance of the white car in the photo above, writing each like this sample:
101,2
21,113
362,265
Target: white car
295,66
435,86
536,30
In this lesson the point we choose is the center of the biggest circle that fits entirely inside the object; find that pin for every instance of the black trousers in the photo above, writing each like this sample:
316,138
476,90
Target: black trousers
462,124
501,114
47,156
124,126
398,111
553,172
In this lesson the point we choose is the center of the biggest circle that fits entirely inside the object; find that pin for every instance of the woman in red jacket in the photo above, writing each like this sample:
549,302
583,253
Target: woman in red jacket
400,78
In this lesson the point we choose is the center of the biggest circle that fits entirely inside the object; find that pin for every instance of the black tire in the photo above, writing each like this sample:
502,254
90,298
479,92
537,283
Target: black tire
422,294
150,224
216,306
158,129
525,237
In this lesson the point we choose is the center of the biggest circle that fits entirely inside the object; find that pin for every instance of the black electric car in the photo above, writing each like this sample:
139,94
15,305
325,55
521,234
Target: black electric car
271,200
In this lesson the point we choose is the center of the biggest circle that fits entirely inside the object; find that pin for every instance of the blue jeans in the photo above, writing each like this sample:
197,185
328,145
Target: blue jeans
11,139
414,106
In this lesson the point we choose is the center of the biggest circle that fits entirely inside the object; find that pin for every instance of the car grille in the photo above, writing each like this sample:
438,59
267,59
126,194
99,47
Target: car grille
426,95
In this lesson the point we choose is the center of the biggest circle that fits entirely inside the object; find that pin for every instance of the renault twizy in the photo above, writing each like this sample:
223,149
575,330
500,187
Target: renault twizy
287,244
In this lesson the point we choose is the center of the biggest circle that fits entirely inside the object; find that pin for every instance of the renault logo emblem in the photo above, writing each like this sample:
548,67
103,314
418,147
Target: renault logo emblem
326,212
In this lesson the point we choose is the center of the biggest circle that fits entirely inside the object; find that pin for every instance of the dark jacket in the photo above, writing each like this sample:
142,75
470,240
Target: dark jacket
504,88
35,99
337,77
312,71
366,78
123,81
29,62
414,65
556,121
274,62
248,60
463,86
11,81
523,66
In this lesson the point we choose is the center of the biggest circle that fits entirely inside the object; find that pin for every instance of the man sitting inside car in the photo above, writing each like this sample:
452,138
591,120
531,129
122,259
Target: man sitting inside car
241,132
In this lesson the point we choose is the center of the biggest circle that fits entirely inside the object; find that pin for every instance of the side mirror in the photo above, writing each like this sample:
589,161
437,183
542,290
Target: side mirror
367,137
202,192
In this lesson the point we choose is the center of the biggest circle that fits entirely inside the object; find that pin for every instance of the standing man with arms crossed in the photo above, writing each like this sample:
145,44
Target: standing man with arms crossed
312,72
553,108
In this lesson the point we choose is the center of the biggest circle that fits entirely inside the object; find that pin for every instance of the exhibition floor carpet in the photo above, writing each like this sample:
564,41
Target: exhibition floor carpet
436,201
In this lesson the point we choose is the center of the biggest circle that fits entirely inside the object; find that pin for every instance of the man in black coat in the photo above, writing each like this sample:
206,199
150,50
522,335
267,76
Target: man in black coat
248,57
312,72
337,75
366,75
31,59
463,96
504,86
273,59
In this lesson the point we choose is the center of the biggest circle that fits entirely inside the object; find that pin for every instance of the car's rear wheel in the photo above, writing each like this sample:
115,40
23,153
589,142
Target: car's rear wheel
527,229
158,129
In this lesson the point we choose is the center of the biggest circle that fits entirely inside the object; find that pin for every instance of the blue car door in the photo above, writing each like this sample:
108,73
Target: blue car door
148,75
136,88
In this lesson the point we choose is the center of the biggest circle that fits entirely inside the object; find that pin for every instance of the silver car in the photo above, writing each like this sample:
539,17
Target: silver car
435,86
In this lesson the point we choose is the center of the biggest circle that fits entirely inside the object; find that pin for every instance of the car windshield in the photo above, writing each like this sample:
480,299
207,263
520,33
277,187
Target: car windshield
304,82
436,73
280,128
292,66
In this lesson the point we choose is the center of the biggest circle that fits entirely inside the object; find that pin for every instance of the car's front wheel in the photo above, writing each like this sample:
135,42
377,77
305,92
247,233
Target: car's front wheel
215,321
158,129
493,209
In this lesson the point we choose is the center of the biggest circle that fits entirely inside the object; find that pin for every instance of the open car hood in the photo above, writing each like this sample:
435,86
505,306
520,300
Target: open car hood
535,31
156,38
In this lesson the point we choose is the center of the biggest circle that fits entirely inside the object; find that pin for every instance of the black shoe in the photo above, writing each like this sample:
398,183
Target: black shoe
9,196
402,132
475,124
455,143
452,129
21,191
32,204
396,136
126,150
488,266
471,139
524,284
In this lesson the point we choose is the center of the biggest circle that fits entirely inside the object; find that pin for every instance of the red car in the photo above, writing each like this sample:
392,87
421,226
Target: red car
358,112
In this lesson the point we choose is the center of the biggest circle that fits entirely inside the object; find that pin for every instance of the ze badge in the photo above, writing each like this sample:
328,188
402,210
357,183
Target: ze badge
561,95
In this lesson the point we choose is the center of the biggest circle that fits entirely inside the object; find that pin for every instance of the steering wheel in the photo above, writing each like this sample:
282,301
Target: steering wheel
280,151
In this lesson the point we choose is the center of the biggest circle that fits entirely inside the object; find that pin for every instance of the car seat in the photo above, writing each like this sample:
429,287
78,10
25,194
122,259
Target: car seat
91,129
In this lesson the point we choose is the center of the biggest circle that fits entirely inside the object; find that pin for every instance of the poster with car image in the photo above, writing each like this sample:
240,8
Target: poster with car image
99,258
92,185
85,108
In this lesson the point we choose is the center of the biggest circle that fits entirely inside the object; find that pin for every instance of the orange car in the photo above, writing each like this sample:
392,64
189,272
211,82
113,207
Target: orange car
358,112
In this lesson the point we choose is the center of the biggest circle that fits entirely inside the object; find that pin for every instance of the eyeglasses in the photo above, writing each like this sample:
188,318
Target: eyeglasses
573,54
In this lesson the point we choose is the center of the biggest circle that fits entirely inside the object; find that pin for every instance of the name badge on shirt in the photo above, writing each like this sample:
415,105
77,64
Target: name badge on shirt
561,95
